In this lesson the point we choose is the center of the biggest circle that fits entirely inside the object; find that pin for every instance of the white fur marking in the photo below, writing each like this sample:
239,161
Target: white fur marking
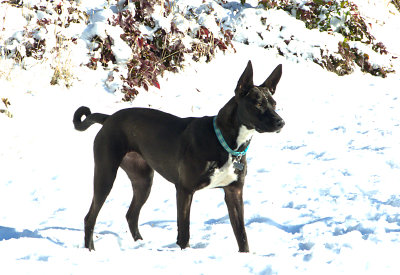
223,176
226,174
244,135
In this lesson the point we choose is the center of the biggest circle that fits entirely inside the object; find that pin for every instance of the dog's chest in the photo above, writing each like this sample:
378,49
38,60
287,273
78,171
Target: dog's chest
229,172
223,176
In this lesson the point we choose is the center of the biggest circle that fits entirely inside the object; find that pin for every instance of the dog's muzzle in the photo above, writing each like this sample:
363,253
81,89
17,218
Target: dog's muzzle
280,125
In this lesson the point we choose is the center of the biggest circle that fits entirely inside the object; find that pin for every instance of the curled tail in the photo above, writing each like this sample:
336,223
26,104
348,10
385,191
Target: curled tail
89,120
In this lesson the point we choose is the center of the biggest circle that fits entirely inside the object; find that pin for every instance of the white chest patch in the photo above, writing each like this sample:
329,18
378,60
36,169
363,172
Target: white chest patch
223,176
226,174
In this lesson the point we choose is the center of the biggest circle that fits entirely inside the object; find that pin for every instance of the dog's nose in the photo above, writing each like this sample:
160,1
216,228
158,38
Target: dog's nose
280,123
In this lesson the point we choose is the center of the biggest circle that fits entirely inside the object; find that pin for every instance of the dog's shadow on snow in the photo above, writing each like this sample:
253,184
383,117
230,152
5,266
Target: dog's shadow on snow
7,233
287,228
160,223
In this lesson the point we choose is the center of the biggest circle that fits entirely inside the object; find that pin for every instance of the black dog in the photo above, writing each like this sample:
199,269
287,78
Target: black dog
192,153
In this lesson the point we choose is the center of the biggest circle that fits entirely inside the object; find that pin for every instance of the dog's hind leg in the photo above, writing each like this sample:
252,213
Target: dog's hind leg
107,160
141,176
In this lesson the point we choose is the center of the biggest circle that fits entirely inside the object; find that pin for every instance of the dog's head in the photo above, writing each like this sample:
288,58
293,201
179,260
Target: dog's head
256,107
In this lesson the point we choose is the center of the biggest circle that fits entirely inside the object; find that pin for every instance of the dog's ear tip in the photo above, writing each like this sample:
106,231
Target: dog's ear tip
278,68
249,69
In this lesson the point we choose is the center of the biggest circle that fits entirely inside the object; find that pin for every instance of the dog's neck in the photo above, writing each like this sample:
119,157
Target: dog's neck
236,135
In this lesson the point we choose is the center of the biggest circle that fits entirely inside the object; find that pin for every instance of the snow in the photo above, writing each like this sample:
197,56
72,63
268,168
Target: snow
323,195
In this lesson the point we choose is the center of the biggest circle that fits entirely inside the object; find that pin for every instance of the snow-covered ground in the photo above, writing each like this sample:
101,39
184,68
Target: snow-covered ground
322,196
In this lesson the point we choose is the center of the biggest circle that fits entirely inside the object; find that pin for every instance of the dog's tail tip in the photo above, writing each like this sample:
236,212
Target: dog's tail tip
78,124
82,125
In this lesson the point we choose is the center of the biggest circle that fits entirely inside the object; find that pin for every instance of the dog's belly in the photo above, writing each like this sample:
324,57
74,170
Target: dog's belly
223,176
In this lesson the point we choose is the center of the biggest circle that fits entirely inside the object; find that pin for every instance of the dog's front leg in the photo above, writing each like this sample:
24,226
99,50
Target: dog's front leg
184,201
234,201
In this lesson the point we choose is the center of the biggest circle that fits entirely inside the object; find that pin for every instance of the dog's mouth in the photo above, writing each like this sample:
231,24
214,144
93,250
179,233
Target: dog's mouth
259,130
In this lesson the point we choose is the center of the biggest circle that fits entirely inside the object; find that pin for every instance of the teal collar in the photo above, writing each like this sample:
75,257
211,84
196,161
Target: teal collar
223,142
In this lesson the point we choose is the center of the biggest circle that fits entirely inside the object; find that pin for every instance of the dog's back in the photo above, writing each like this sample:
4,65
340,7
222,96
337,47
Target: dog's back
154,134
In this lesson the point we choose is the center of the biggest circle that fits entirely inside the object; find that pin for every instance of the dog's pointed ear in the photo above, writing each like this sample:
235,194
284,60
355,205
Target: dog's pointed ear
245,81
273,79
